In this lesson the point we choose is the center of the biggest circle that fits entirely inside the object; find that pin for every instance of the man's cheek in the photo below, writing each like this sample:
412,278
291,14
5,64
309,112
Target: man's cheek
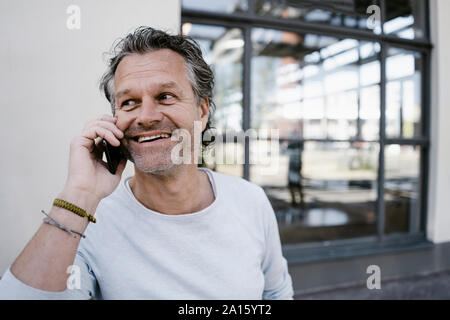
180,115
124,120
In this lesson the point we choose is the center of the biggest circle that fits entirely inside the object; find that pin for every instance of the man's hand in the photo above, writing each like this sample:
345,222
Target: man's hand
43,262
88,173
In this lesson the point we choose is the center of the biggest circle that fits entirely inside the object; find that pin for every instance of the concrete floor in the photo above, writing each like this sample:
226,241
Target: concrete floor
433,286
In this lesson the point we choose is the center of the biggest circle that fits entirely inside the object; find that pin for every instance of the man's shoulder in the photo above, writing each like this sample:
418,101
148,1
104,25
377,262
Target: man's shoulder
244,200
237,186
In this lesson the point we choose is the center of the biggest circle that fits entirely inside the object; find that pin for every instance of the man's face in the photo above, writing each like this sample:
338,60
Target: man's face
154,88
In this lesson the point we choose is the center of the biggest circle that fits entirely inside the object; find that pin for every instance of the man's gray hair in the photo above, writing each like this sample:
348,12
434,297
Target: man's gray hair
147,39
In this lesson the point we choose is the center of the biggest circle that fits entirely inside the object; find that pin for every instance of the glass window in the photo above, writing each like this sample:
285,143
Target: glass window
403,94
405,18
370,112
351,14
401,187
315,108
225,157
314,87
321,191
222,49
225,6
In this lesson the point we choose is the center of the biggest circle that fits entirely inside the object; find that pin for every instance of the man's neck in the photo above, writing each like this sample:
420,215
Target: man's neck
184,189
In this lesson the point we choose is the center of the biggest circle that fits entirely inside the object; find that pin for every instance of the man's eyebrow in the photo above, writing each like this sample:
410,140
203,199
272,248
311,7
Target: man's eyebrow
169,85
164,85
121,93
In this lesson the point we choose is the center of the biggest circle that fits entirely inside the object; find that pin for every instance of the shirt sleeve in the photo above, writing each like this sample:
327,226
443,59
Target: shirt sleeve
83,285
278,282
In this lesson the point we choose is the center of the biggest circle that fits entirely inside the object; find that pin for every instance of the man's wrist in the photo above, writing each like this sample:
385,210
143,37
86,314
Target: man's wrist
83,199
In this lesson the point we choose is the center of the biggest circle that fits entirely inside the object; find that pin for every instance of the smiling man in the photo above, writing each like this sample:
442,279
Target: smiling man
154,88
173,230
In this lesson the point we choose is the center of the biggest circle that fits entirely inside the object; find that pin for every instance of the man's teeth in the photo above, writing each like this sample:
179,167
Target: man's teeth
143,139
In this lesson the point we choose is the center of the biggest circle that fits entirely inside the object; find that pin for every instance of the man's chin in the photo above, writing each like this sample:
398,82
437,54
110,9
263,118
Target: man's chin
154,169
149,164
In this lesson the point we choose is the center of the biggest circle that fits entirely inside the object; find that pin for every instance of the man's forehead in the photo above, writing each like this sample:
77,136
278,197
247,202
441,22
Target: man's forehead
157,59
165,66
160,85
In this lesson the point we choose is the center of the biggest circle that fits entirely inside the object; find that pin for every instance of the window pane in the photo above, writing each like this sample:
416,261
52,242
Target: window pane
351,14
403,94
314,87
370,112
225,157
222,49
405,18
320,191
224,6
401,189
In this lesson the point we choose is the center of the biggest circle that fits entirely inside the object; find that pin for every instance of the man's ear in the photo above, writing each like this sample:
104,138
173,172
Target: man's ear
204,112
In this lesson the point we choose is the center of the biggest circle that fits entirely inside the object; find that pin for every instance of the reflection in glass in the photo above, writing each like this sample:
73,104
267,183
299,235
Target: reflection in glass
224,6
310,88
225,157
223,49
314,87
405,18
401,188
403,94
321,191
351,14
370,112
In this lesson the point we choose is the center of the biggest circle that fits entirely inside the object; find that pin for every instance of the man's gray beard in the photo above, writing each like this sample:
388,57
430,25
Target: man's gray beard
139,159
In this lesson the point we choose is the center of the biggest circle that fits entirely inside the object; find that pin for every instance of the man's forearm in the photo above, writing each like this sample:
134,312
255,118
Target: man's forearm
44,261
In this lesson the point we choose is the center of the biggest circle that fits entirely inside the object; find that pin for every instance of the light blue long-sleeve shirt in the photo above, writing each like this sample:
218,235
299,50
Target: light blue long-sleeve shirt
229,250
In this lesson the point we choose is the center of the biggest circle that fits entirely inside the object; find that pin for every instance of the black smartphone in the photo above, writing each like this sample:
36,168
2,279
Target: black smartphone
113,156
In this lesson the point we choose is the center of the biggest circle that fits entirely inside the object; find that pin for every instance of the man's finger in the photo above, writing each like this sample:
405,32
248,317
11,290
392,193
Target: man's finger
94,132
111,127
107,117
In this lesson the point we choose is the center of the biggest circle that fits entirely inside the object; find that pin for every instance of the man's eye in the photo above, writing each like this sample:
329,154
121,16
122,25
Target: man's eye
128,104
166,96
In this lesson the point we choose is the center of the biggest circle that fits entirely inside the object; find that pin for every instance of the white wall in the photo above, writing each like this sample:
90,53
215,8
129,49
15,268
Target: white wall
48,88
438,224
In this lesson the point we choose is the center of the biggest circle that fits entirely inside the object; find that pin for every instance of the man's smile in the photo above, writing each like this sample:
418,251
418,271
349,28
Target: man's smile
150,140
151,136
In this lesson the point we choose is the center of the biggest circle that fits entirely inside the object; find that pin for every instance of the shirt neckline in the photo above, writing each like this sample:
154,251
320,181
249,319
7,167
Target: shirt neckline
177,217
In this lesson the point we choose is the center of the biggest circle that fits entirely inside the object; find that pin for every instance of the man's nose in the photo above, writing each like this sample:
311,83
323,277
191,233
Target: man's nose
149,112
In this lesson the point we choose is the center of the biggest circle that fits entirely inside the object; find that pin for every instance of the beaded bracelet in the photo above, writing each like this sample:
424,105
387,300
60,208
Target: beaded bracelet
53,222
73,208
